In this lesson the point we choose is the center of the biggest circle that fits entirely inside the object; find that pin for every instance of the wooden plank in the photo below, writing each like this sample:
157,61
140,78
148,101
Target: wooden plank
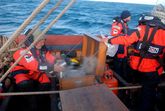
101,57
92,52
75,82
88,47
91,98
84,47
100,52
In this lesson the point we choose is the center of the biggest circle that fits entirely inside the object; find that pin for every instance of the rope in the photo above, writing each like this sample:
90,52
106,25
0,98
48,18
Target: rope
127,87
40,22
23,26
38,38
29,93
55,92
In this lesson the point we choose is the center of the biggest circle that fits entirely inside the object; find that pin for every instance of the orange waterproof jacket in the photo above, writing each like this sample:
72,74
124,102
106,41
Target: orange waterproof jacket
119,28
137,62
28,67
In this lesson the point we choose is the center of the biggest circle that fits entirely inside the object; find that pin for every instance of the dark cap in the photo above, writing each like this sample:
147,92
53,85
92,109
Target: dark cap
125,14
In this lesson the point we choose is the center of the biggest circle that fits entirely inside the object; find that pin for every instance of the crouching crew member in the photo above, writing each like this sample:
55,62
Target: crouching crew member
33,68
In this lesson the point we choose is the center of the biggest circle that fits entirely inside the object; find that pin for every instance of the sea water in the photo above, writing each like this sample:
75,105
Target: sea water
83,17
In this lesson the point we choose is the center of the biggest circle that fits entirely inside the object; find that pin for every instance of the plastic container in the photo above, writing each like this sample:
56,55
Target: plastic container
110,80
111,49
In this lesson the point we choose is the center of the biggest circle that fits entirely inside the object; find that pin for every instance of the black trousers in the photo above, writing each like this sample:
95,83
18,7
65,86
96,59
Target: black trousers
122,68
35,102
149,82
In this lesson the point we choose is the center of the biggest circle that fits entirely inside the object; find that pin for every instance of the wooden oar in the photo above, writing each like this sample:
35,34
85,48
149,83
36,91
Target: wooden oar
40,22
38,38
23,26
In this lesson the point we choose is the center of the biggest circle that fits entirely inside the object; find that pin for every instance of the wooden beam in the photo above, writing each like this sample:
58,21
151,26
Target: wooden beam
101,57
84,47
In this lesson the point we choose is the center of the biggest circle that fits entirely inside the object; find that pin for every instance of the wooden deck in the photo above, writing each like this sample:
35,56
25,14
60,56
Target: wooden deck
91,98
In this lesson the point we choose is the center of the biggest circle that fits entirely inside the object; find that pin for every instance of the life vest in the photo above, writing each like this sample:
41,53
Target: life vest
44,64
120,28
29,67
153,21
145,48
44,59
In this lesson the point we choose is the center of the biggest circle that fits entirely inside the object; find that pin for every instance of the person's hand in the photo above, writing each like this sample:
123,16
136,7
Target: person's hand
58,68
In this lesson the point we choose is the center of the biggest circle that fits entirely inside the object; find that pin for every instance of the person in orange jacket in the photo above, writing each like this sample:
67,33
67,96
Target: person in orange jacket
120,24
120,27
149,42
33,68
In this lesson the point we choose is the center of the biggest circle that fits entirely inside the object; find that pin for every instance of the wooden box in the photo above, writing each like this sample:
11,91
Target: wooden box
74,82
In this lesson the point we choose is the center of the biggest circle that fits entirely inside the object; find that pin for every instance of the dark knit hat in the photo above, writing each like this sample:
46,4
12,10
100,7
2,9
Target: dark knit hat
125,14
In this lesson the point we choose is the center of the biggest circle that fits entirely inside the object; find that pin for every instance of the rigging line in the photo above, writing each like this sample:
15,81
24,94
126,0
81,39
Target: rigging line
35,41
74,47
23,26
29,93
55,92
41,22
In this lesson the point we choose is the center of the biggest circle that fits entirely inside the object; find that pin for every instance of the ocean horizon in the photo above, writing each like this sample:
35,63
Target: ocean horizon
91,17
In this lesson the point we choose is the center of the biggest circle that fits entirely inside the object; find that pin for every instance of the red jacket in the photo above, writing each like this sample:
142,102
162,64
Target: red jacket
28,66
146,64
119,28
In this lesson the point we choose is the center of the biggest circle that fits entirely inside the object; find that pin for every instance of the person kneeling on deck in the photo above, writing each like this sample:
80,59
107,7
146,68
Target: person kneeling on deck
33,67
149,42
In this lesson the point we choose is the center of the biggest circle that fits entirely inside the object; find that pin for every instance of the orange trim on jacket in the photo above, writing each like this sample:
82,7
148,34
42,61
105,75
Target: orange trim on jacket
119,28
31,64
116,29
147,64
